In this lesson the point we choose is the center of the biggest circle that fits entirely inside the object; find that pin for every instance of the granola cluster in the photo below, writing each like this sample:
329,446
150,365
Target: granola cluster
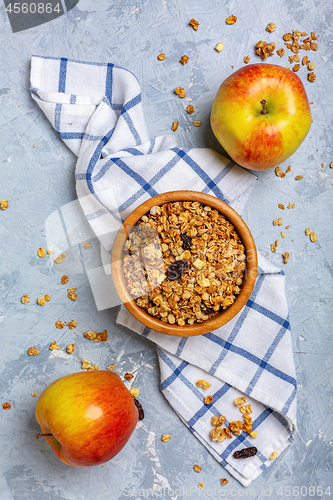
183,262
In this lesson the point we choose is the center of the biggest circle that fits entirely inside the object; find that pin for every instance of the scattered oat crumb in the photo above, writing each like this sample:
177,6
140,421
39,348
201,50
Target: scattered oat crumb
331,164
160,57
218,420
32,351
165,438
296,68
6,406
134,392
285,257
194,24
35,145
41,252
280,205
34,394
298,177
190,109
197,468
128,376
231,20
53,346
111,367
322,165
197,123
70,348
313,237
311,66
273,455
60,324
273,247
41,301
85,364
184,59
47,298
25,299
86,245
174,126
305,60
276,243
280,52
246,59
224,482
4,204
279,173
64,279
96,337
307,231
208,400
264,49
219,47
180,91
288,169
201,485
59,259
93,368
311,77
282,234
49,252
245,409
72,295
203,383
270,27
240,401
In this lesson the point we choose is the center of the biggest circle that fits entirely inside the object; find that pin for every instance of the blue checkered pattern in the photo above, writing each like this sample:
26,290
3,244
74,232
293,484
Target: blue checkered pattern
96,110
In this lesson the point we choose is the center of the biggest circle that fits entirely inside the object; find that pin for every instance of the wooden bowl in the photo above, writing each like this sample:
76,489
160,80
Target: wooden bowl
223,316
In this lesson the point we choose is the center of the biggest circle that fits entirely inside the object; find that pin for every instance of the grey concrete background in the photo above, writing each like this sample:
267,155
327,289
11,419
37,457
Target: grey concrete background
39,180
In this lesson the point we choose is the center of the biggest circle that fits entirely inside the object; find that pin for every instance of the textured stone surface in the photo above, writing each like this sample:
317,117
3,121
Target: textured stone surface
39,180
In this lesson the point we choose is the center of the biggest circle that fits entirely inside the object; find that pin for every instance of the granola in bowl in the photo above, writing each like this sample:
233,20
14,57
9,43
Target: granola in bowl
184,262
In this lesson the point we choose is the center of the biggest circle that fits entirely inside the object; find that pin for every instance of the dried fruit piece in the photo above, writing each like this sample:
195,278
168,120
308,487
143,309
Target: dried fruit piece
246,452
59,259
174,126
219,47
190,108
140,409
203,383
41,301
41,252
280,205
70,348
128,376
274,455
270,27
25,299
184,59
194,24
208,400
197,468
253,434
60,324
134,392
53,346
160,57
231,20
32,351
240,401
64,279
313,237
6,406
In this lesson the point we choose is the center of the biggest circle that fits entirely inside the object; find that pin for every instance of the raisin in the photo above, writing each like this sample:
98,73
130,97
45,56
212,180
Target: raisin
140,409
246,452
187,241
182,266
208,310
176,269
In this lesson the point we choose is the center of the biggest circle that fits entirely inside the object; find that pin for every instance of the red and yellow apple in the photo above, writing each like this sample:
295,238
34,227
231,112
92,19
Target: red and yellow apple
261,115
87,417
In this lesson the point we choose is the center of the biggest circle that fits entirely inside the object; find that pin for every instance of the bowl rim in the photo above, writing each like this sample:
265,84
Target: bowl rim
222,317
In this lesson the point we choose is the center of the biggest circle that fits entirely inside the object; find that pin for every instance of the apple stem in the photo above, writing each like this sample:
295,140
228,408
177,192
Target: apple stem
38,435
264,110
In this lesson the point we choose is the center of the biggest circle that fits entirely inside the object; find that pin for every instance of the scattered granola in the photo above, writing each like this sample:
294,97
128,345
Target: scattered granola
203,383
296,67
331,164
224,482
240,401
190,108
311,77
60,324
253,434
285,257
59,259
183,262
93,368
218,434
64,279
313,237
53,346
6,406
160,57
86,245
274,455
264,49
25,299
70,348
128,376
174,126
231,20
246,59
96,337
47,298
298,177
180,91
219,47
41,301
270,27
72,295
280,52
184,59
34,394
305,60
194,24
197,468
273,247
85,364
280,205
32,351
236,427
282,234
197,123
311,66
208,400
277,222
165,438
134,392
49,252
72,324
246,409
201,485
41,252
111,367
4,204
218,420
246,452
307,231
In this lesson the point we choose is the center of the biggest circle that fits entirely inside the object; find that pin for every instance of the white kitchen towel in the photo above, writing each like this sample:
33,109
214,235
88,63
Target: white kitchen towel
97,110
